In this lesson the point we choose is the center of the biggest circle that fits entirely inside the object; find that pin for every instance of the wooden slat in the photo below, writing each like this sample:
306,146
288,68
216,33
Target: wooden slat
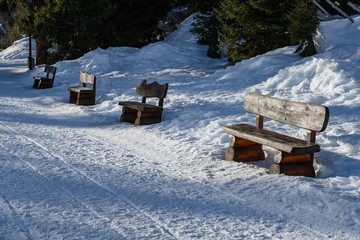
80,89
240,142
309,116
141,106
153,89
50,69
87,78
271,139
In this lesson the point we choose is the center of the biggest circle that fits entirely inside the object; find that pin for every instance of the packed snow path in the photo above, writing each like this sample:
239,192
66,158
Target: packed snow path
71,172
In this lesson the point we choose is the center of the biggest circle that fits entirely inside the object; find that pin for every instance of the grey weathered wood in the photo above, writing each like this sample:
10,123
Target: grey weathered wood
87,78
81,89
153,89
309,116
141,106
146,113
83,95
271,139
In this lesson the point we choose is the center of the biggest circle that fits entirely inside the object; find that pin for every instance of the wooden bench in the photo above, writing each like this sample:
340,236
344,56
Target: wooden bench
293,156
142,113
45,82
83,95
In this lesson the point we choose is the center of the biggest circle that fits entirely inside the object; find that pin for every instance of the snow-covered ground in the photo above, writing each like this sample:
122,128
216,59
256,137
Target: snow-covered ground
76,172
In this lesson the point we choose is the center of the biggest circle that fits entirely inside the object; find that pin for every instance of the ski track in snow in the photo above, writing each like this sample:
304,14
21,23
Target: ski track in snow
53,159
51,155
142,152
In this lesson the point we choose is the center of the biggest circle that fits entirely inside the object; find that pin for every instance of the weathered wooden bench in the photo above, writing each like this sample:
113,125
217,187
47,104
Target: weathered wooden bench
293,156
142,113
45,82
83,95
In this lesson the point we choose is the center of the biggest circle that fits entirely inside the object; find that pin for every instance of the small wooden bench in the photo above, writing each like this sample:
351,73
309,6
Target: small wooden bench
83,95
142,113
45,82
293,156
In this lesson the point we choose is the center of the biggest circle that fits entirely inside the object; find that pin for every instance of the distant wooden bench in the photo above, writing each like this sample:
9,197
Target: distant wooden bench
294,156
45,82
142,113
83,95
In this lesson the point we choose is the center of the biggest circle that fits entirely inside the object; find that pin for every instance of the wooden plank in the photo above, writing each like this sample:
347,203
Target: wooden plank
45,84
129,110
153,89
50,69
293,169
147,121
141,114
85,99
309,116
87,78
80,89
141,106
128,117
271,139
240,142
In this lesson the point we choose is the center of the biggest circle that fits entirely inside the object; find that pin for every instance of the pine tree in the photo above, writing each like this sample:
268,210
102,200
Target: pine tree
253,27
76,27
206,28
303,26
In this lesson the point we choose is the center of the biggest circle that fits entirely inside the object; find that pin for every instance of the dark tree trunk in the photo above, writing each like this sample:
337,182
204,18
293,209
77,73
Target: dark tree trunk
41,51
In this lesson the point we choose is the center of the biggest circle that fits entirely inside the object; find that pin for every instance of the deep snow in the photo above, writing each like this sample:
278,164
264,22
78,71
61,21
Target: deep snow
75,172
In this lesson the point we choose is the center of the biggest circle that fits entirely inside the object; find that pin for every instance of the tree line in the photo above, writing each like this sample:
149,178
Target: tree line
66,29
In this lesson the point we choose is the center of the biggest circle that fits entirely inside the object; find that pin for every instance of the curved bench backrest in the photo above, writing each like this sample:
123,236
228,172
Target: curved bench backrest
152,90
309,116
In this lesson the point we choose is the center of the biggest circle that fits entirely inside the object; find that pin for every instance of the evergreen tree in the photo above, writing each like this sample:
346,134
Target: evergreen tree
206,28
253,27
76,27
303,26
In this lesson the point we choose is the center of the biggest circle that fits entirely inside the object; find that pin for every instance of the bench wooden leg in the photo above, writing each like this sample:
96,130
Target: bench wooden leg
146,118
36,83
85,99
293,164
241,150
45,84
128,115
72,97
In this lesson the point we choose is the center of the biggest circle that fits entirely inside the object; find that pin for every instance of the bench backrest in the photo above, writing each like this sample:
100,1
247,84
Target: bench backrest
152,90
87,78
50,70
309,116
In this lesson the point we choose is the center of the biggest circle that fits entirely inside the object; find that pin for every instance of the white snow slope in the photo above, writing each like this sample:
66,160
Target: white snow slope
76,172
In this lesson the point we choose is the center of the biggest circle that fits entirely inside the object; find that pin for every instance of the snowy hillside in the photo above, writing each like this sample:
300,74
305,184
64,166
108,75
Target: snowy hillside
76,172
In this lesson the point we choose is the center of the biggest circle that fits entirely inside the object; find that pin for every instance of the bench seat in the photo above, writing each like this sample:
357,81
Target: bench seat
272,139
81,89
144,107
42,78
